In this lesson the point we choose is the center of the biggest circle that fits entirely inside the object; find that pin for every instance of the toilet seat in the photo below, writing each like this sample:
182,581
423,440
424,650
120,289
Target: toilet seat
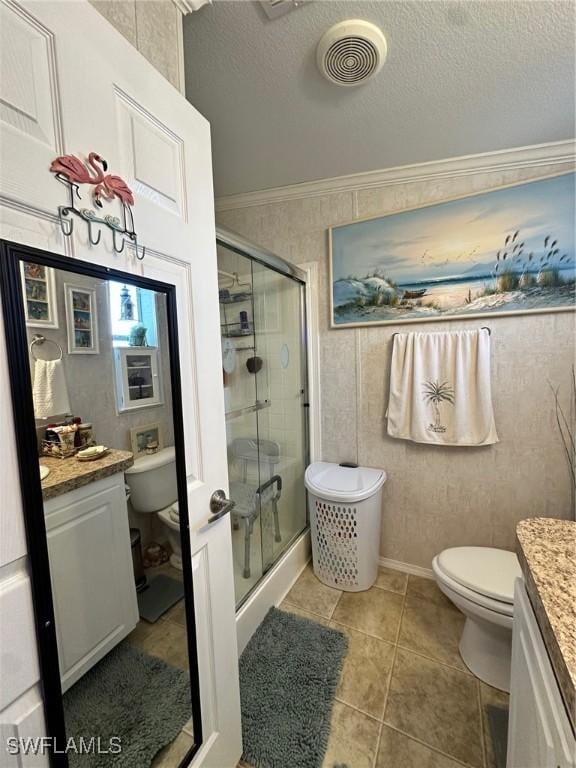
168,518
483,575
489,572
488,603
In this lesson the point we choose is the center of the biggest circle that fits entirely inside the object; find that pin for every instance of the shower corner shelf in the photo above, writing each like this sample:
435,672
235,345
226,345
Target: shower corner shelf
236,298
258,406
229,332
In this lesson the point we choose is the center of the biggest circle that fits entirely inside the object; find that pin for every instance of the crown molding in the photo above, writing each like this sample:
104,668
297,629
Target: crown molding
189,6
554,153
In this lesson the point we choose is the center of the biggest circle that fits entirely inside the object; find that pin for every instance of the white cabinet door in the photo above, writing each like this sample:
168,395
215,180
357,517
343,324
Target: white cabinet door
91,572
539,734
137,377
72,84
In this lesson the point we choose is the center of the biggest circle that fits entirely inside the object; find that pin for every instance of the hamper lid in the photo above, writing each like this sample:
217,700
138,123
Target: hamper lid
343,483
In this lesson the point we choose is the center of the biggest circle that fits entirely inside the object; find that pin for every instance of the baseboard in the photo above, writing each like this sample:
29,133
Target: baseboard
272,589
415,570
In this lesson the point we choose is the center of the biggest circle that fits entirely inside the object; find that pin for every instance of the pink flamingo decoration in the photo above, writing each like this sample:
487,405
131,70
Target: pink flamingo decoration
111,187
72,171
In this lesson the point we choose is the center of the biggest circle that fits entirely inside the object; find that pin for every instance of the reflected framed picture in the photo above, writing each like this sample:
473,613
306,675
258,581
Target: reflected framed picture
146,439
81,320
38,286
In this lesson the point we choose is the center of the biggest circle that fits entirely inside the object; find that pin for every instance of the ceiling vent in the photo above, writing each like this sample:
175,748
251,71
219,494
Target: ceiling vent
351,52
275,8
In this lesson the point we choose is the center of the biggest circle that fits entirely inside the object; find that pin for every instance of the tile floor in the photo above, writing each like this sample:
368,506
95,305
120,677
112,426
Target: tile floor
167,637
405,698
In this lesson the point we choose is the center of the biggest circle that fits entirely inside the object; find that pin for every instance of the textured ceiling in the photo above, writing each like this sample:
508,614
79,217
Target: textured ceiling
461,77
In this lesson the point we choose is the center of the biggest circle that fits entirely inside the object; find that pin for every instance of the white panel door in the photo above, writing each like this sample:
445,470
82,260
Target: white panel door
80,87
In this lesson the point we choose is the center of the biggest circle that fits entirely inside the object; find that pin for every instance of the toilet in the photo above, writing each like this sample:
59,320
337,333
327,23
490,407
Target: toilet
480,582
153,488
171,519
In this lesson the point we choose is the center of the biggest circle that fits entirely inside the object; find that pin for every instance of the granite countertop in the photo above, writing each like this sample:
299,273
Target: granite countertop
68,474
547,553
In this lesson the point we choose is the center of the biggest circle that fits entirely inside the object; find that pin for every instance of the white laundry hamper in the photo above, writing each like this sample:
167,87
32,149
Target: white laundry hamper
345,503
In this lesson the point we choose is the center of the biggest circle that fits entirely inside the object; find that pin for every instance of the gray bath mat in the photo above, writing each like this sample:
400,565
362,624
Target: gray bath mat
498,720
131,695
289,673
160,595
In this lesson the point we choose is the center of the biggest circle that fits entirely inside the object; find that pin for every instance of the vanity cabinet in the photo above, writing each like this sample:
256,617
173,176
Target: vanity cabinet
91,573
539,732
138,378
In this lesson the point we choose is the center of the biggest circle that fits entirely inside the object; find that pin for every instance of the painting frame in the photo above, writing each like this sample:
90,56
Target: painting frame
81,320
138,447
459,317
46,282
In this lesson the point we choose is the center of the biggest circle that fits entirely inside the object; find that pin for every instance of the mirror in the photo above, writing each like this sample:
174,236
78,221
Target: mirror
97,408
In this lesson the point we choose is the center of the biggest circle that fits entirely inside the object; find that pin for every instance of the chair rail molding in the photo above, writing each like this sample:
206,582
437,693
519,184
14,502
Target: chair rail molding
550,154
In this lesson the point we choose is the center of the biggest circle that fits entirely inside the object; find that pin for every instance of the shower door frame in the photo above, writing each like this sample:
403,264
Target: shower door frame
249,250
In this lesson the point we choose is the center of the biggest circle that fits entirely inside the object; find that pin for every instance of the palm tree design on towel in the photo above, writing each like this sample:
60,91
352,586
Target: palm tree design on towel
436,392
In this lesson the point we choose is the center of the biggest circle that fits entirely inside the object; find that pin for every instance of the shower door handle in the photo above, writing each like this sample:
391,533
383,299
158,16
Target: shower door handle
219,505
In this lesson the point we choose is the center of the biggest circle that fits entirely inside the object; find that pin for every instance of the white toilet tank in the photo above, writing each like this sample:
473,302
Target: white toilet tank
152,481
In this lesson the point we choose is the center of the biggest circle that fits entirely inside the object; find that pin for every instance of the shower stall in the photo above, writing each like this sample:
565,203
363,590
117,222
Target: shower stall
263,327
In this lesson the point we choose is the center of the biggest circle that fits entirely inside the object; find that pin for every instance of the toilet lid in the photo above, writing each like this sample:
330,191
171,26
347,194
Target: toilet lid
490,572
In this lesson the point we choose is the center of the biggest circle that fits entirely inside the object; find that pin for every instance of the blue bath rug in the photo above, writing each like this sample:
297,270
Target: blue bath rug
289,672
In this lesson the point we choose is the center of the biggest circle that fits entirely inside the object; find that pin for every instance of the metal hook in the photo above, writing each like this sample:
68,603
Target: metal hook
128,217
66,225
72,187
118,250
92,241
135,241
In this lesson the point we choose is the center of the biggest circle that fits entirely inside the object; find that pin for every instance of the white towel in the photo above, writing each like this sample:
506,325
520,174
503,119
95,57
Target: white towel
50,390
440,389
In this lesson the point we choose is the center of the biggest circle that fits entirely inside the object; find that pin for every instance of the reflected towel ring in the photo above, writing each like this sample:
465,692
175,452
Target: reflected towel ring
39,339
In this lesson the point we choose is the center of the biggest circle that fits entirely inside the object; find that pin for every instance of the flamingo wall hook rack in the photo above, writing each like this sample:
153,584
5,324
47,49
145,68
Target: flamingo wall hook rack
73,172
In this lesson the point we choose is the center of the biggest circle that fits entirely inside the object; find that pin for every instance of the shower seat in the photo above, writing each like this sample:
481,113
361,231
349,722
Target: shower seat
251,498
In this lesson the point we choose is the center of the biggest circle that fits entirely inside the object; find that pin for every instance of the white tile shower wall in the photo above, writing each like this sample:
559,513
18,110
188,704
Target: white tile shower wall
435,497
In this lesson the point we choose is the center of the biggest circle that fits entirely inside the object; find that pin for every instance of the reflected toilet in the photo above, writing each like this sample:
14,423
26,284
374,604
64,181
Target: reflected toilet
153,488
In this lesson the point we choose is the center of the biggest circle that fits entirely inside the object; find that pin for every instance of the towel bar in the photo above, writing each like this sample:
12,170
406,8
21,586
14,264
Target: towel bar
484,328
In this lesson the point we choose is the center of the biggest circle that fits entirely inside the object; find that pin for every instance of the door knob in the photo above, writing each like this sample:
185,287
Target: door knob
219,505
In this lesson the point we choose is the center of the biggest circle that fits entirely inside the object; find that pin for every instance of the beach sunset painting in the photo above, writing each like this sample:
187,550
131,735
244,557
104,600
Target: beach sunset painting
511,250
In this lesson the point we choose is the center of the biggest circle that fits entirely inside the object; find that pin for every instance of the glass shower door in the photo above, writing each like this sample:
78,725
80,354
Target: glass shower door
241,405
278,307
263,356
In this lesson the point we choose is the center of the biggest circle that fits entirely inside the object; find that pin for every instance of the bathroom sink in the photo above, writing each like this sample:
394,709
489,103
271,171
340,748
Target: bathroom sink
44,472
